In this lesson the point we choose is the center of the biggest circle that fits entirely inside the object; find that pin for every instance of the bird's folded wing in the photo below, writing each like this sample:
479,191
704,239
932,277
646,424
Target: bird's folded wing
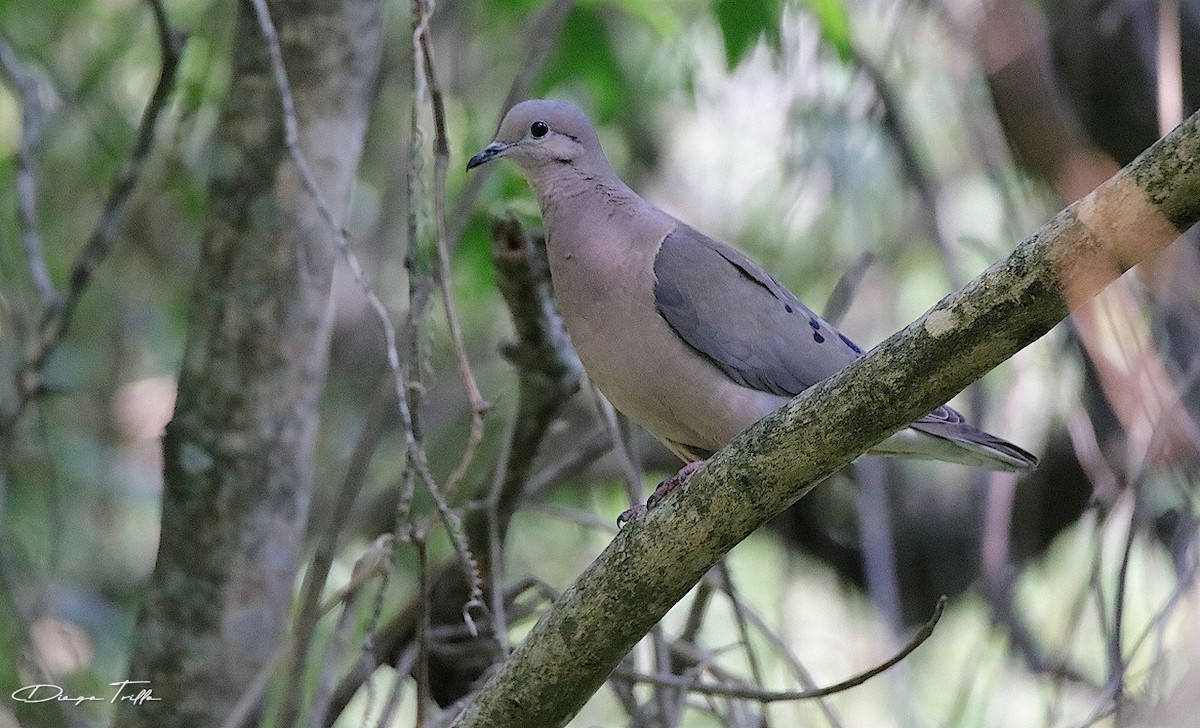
752,328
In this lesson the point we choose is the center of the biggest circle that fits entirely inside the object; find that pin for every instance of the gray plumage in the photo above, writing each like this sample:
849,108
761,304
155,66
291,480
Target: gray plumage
684,334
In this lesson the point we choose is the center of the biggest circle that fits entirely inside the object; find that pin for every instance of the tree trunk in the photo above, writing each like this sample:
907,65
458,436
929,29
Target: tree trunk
238,452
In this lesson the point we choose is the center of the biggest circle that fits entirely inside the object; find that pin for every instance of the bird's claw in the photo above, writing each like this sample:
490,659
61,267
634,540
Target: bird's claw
662,491
629,514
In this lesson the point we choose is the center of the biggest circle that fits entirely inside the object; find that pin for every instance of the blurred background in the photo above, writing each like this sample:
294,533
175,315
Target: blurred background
873,154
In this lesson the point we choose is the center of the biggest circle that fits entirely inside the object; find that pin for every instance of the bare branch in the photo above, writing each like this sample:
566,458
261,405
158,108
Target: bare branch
423,625
1116,656
57,320
631,467
798,669
290,708
767,696
590,448
373,563
441,158
36,102
740,619
548,374
376,562
341,239
548,369
843,292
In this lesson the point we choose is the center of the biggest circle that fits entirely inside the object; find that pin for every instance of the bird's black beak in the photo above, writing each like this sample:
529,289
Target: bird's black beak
490,152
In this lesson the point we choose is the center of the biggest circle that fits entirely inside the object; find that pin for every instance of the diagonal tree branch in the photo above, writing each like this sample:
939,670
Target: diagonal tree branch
654,561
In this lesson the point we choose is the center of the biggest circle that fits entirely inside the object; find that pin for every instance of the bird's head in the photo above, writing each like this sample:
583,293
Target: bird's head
540,134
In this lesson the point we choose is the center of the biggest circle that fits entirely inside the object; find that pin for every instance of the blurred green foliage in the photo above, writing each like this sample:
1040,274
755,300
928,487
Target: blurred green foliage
744,24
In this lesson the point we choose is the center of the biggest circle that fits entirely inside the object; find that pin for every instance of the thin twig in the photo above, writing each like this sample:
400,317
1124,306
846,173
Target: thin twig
339,641
420,281
897,128
1074,622
697,611
495,536
250,698
1157,623
591,448
421,80
405,664
57,320
739,613
423,83
414,453
375,562
36,102
441,158
368,566
1116,659
1086,446
631,472
578,516
1106,702
341,239
372,625
423,624
340,234
843,292
304,625
666,711
623,690
543,34
768,696
803,676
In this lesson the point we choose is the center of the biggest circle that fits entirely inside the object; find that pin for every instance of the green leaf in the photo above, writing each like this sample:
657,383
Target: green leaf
834,19
743,22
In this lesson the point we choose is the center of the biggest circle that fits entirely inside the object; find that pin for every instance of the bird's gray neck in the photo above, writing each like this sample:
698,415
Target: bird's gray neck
580,195
561,181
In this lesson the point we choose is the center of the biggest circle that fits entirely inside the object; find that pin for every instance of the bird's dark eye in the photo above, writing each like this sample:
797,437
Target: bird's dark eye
539,129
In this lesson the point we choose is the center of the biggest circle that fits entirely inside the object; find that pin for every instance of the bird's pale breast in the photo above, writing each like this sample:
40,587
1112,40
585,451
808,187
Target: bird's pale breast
606,293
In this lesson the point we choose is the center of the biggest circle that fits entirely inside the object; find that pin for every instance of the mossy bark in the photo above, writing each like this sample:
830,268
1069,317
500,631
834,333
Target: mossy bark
238,451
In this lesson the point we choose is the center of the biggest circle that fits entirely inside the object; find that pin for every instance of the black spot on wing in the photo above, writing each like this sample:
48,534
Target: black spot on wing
701,292
849,343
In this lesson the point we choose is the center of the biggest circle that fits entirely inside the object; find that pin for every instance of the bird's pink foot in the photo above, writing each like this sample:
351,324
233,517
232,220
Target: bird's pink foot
672,483
662,491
